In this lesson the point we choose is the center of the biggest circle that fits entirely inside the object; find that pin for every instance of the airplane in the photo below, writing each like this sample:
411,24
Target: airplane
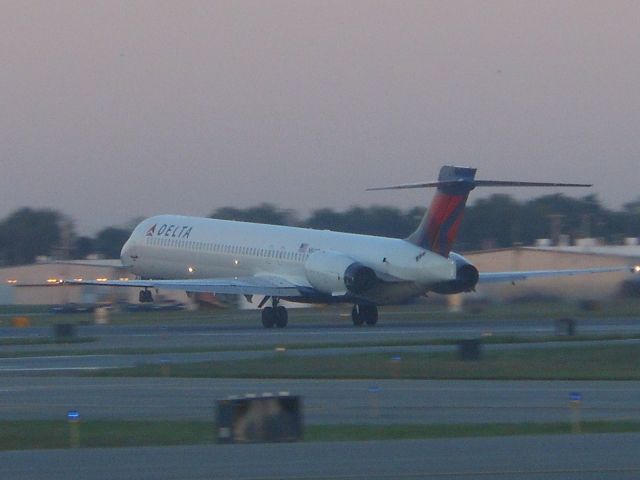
304,265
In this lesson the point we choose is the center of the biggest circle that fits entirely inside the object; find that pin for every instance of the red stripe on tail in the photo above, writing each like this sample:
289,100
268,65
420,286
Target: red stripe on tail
443,222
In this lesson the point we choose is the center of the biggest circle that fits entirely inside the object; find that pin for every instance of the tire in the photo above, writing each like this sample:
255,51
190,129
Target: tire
370,314
145,296
268,317
356,315
281,317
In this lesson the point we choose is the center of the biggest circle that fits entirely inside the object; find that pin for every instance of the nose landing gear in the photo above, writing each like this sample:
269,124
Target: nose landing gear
145,296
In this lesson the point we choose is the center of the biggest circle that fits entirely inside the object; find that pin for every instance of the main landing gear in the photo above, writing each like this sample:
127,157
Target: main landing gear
145,296
364,314
275,315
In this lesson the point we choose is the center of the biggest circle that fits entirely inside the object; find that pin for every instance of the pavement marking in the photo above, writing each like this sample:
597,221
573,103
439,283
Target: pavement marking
451,474
358,333
51,369
53,357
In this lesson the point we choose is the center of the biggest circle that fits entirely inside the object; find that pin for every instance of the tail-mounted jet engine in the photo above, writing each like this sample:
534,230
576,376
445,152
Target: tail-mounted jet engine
466,277
332,272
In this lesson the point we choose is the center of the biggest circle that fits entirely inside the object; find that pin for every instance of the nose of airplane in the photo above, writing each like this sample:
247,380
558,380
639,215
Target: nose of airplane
126,254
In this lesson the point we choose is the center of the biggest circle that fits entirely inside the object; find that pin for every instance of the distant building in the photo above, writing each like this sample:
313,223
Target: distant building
598,287
36,284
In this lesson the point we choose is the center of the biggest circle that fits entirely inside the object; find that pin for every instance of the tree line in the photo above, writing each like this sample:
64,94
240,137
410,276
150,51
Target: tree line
498,221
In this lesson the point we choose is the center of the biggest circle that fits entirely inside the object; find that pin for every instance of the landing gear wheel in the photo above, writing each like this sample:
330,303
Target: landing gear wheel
356,315
282,317
370,314
364,314
268,317
145,296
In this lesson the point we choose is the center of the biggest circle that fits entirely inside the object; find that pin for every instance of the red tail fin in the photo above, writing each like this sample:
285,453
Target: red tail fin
439,227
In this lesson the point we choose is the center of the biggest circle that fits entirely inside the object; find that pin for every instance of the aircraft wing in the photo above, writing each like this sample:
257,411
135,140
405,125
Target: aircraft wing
107,262
496,277
258,285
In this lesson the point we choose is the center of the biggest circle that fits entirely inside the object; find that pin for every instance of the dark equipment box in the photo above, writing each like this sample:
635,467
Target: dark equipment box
265,418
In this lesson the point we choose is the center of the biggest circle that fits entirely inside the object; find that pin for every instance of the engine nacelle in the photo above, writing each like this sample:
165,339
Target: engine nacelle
466,277
332,272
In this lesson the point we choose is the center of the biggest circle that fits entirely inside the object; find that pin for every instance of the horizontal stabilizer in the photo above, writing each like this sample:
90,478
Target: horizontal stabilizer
471,184
438,229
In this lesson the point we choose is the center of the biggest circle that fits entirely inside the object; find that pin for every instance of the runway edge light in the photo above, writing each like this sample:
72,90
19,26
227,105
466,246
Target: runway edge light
73,416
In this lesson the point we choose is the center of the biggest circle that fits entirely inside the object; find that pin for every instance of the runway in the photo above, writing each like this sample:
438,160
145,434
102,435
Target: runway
27,389
561,457
230,335
46,386
325,401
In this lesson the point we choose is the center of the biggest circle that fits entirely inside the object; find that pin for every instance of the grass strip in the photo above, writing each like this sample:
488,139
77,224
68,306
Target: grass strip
5,342
606,362
38,434
488,340
47,434
327,433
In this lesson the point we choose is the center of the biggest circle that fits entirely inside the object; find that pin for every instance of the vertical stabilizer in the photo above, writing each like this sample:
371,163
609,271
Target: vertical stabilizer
439,227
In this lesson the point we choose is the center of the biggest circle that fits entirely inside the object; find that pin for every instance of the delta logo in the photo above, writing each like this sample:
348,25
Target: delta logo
166,230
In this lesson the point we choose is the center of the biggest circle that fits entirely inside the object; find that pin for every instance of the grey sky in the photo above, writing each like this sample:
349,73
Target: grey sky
111,110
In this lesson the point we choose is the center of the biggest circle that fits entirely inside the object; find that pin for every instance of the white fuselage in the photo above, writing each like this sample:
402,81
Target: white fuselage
178,247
